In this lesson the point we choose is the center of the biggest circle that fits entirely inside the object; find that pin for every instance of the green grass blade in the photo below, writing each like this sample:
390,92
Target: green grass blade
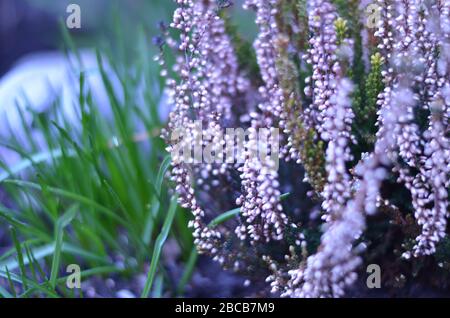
162,172
31,264
39,287
159,245
39,157
10,282
103,270
233,213
69,195
4,293
62,222
8,216
158,286
155,202
49,249
19,256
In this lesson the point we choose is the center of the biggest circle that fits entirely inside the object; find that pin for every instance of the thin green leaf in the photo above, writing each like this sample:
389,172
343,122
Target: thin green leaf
8,216
4,293
19,256
233,213
155,203
161,239
24,164
62,222
10,282
70,195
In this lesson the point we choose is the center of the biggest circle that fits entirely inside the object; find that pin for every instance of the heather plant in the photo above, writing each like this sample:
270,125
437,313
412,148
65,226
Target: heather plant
306,144
362,113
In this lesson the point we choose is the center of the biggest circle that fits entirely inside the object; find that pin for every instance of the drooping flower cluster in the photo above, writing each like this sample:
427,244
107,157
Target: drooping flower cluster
266,55
260,199
436,173
209,80
322,56
413,62
333,268
337,131
331,109
431,170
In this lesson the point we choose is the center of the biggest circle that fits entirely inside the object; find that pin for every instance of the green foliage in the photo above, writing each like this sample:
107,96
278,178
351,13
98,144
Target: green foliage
313,159
95,195
366,112
350,12
311,149
341,30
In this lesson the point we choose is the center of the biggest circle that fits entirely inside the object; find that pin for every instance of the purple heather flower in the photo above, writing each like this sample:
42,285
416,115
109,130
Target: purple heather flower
209,80
322,56
337,131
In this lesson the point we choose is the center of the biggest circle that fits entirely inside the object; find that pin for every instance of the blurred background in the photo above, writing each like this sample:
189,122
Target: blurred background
40,57
28,26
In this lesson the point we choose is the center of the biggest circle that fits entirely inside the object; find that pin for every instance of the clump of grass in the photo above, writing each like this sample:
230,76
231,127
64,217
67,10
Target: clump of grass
95,194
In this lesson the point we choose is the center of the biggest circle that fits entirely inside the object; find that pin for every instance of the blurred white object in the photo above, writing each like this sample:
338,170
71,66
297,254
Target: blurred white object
37,82
124,293
40,81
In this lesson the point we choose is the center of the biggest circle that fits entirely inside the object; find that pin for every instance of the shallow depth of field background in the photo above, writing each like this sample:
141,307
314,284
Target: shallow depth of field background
33,25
